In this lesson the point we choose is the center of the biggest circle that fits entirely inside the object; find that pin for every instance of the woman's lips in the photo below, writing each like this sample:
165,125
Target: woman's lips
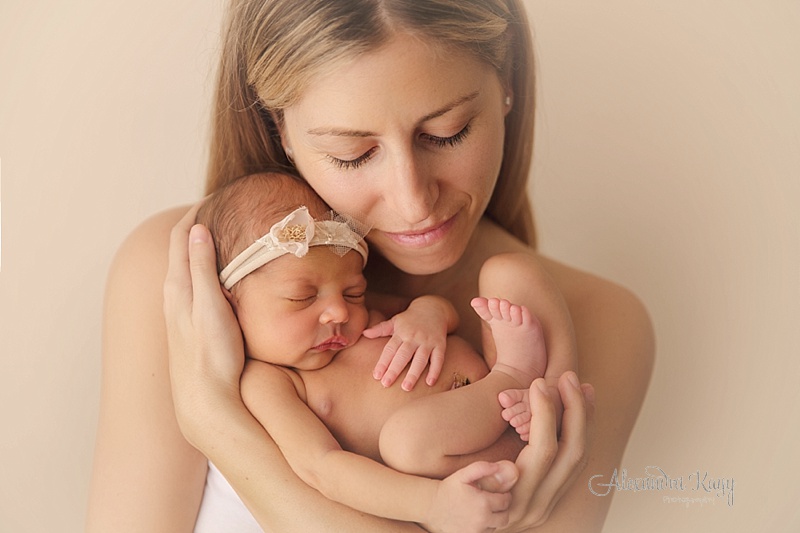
336,342
426,237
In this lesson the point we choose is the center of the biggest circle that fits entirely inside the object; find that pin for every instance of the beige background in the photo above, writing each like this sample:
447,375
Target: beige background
668,159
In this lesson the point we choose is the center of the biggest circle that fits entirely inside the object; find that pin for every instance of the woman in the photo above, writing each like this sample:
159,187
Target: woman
419,117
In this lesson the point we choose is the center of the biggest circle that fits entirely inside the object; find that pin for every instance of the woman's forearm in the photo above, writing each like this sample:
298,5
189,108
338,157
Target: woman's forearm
278,499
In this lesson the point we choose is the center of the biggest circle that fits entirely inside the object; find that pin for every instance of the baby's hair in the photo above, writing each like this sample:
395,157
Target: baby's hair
246,208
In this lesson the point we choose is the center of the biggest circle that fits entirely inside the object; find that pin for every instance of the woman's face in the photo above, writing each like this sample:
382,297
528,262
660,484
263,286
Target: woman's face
408,138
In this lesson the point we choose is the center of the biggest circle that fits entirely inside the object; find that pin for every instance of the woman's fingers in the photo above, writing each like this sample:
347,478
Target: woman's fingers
178,282
535,459
571,456
206,290
588,399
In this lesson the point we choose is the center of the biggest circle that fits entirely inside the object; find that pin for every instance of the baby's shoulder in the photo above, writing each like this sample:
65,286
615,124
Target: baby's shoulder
259,377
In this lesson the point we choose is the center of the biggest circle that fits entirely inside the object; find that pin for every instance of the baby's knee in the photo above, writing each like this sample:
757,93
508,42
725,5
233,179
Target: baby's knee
406,449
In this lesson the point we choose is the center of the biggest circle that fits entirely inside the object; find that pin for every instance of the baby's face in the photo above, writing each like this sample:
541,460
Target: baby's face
299,312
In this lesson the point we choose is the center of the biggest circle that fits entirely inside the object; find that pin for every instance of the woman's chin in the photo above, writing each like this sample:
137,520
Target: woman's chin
424,264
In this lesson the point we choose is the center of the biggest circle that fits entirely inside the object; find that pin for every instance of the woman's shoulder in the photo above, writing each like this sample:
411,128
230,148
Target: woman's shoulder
613,328
147,243
153,232
140,262
592,300
588,293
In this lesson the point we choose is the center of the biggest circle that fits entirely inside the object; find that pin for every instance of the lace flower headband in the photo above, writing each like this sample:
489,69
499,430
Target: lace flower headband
294,235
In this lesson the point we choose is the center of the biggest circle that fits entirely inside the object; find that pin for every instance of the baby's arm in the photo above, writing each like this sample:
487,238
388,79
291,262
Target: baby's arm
419,335
454,504
520,278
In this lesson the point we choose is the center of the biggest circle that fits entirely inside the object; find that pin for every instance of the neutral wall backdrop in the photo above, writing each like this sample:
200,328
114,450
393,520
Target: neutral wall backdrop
667,159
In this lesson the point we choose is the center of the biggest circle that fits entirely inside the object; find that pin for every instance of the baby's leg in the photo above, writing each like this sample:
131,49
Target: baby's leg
435,435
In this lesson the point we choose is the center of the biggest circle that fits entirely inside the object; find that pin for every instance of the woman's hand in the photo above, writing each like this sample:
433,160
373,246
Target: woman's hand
462,504
206,352
549,466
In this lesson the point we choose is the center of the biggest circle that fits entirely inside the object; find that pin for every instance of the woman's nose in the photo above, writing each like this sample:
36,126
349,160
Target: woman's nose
412,193
335,311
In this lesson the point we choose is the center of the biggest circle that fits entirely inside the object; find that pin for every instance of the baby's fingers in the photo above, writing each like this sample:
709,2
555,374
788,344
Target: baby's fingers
436,364
382,329
418,363
402,356
385,359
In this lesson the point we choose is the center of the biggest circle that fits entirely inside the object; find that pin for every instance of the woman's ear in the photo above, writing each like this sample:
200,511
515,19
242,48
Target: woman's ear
508,102
289,153
277,119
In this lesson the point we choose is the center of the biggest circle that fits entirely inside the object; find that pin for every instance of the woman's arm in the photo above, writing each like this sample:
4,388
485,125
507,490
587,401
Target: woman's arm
146,476
616,353
454,504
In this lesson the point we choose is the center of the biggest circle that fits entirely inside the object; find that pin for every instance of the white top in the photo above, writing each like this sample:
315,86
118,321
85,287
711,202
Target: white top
221,510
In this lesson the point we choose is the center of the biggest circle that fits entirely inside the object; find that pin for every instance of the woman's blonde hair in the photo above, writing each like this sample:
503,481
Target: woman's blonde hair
272,50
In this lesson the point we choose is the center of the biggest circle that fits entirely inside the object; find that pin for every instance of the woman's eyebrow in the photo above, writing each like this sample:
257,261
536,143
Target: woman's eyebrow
449,107
341,132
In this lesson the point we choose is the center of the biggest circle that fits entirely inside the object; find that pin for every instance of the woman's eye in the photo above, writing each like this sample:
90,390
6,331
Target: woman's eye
443,142
350,164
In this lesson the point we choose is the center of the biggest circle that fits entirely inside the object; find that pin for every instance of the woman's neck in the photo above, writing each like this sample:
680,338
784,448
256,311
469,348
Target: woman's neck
487,240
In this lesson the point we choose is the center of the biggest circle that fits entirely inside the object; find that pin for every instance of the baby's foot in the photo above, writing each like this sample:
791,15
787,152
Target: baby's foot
517,410
517,337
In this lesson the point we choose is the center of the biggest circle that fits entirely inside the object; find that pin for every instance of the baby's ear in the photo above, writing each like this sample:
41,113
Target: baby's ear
231,298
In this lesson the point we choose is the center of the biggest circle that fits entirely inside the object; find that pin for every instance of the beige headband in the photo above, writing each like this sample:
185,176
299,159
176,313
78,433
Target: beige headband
294,235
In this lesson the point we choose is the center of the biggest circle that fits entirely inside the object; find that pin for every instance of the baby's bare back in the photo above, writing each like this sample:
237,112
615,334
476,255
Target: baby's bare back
355,406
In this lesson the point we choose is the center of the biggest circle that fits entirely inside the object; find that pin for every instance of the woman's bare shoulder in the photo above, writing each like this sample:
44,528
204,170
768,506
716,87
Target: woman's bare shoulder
134,286
141,458
143,253
588,293
615,335
152,234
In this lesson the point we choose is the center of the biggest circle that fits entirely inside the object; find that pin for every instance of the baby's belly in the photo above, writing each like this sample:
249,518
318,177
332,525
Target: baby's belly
354,406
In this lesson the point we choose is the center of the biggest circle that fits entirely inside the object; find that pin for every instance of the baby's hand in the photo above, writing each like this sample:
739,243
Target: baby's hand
419,335
462,505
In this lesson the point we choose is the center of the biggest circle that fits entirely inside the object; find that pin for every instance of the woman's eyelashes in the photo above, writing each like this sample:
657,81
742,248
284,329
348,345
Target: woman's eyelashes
350,164
436,141
444,142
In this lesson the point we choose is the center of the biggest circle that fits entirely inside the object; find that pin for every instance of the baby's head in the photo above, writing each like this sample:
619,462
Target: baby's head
296,281
245,209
